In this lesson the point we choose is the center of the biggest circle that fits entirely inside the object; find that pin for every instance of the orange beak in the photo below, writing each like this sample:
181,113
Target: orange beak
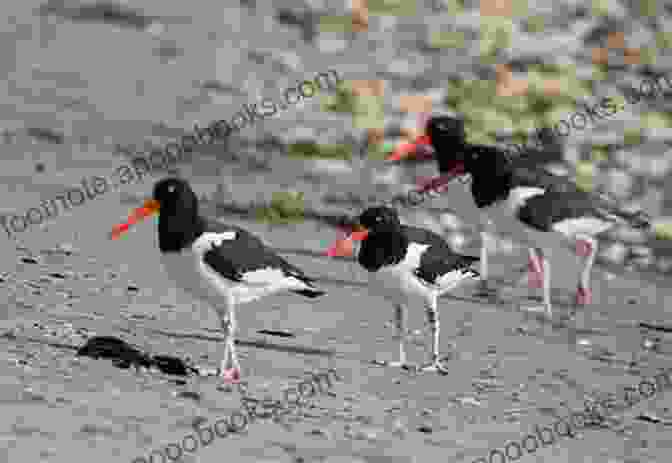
419,149
343,246
150,207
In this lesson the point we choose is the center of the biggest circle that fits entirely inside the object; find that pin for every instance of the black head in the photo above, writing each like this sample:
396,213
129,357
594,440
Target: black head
175,197
446,132
380,218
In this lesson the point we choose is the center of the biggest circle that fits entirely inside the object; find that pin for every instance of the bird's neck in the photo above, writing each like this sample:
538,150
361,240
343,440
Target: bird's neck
177,232
382,248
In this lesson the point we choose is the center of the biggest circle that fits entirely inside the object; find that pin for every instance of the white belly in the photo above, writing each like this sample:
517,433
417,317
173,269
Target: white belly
398,285
184,269
502,216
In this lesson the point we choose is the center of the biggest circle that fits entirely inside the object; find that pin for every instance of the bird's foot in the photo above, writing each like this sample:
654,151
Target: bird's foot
543,308
230,375
584,296
535,279
436,366
486,288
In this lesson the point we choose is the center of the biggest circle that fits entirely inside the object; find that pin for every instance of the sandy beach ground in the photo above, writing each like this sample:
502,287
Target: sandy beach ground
66,281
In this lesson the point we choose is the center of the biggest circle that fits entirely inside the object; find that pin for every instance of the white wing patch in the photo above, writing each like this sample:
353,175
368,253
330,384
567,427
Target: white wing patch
207,240
519,195
413,255
582,225
452,279
264,276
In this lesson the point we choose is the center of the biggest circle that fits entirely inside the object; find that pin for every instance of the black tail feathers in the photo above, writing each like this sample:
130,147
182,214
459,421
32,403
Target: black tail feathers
311,293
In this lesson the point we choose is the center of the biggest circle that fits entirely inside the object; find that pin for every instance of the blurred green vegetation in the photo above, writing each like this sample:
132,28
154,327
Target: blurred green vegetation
535,24
309,149
447,39
486,112
286,207
392,7
489,116
600,7
663,231
342,101
333,23
495,34
664,40
585,172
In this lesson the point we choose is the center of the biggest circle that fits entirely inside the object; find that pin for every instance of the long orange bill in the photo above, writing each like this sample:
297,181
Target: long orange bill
150,207
418,149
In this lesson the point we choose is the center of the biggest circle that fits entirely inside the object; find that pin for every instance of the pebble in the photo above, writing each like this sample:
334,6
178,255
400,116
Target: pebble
614,253
330,43
643,262
618,183
451,222
628,235
641,251
456,240
664,265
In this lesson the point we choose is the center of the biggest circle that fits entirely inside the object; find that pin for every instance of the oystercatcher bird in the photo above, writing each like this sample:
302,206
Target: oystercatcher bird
406,265
222,265
538,204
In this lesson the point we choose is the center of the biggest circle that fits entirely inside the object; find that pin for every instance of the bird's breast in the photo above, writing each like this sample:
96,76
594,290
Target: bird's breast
186,269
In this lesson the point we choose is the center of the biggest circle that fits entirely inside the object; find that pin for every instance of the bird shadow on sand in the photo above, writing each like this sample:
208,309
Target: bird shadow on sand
122,354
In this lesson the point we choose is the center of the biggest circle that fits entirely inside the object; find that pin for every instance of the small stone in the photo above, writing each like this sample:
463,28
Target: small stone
507,246
328,44
451,222
425,429
664,265
641,251
614,253
643,263
618,183
456,240
628,235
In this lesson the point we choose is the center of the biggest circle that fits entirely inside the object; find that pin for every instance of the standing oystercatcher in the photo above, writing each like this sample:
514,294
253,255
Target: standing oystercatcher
406,265
222,265
520,192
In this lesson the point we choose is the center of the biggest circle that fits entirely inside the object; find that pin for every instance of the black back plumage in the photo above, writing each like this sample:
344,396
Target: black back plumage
180,225
388,243
439,258
234,258
495,173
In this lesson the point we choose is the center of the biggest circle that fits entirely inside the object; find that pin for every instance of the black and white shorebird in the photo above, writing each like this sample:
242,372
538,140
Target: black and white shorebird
406,265
519,193
222,265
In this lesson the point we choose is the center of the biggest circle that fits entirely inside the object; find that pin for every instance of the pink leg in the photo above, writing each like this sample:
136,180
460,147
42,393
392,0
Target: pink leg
536,271
585,248
584,296
231,375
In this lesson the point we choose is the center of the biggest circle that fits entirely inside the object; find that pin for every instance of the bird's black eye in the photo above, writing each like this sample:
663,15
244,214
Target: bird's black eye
171,189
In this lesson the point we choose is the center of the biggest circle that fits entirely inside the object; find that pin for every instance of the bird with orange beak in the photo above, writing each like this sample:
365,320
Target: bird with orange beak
520,195
406,265
222,265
